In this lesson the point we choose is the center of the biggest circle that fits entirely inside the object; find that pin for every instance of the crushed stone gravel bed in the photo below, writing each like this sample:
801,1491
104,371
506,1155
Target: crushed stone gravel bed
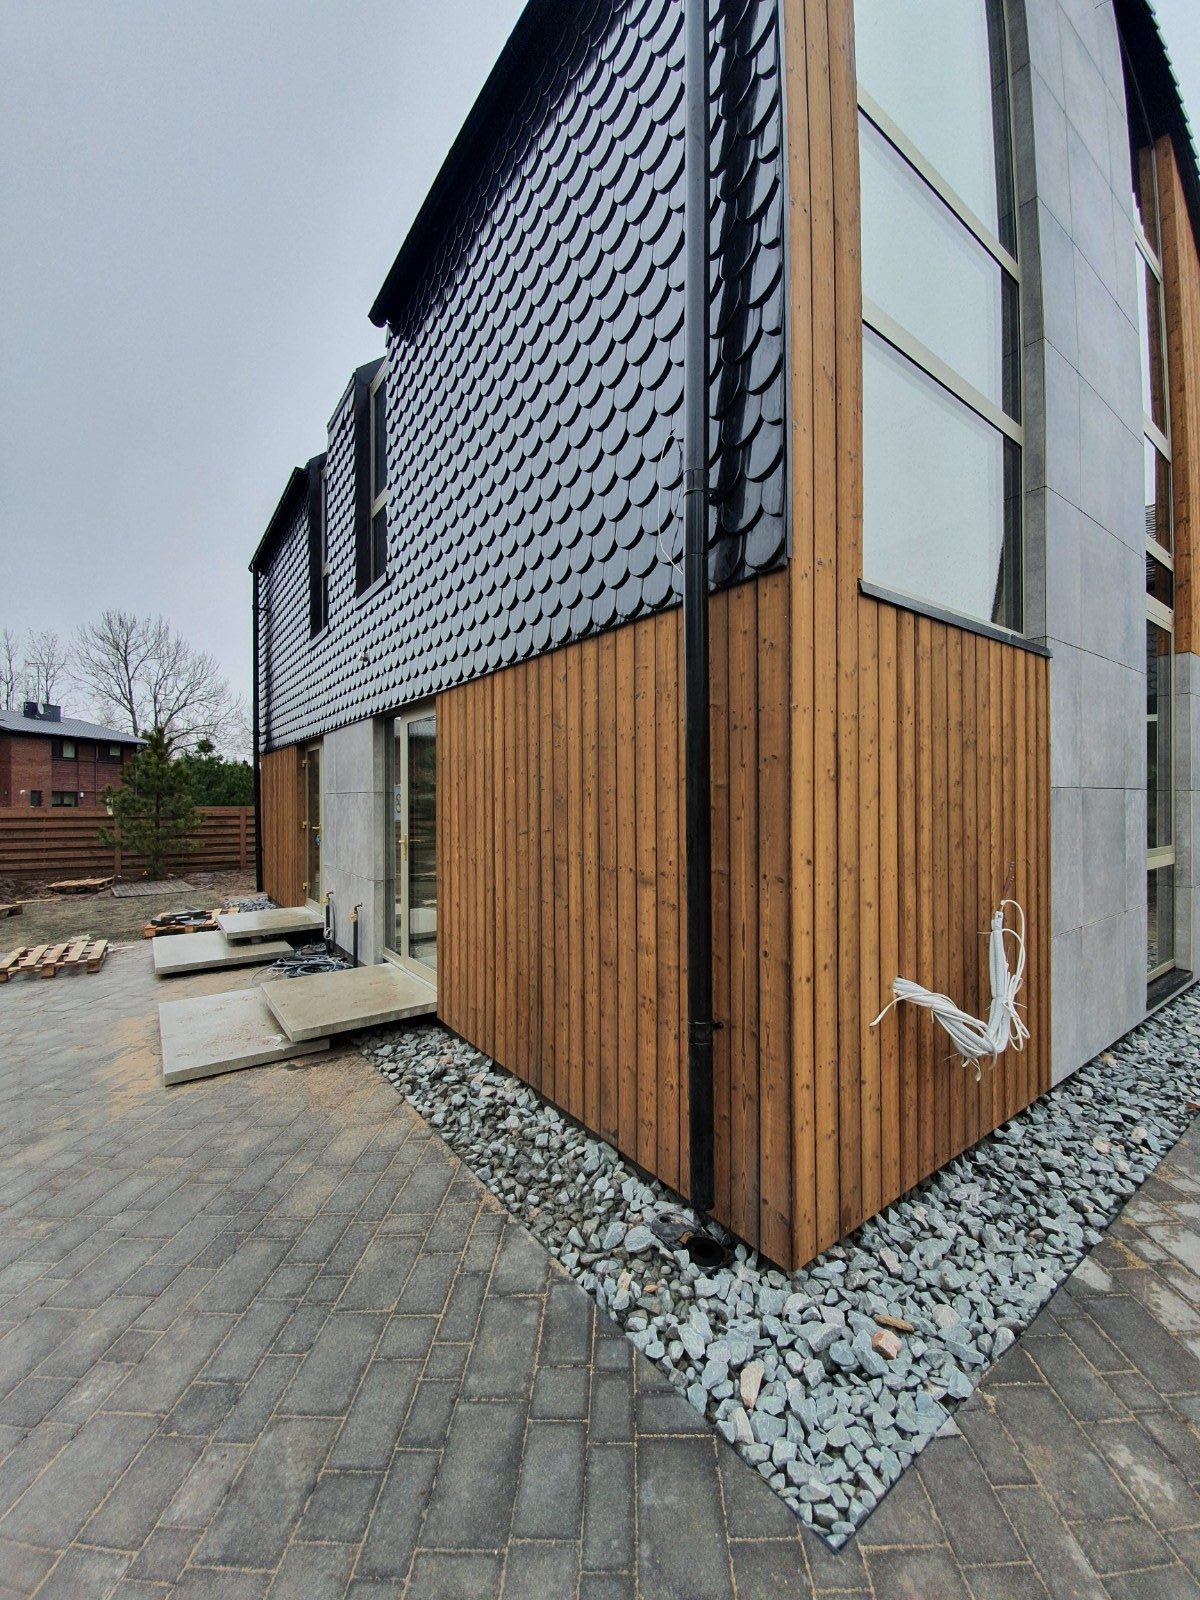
828,1380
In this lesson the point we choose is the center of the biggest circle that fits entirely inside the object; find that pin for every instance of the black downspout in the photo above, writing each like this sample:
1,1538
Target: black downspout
258,847
697,769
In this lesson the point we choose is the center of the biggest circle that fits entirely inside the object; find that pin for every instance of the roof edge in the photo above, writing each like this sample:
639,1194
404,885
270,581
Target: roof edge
537,30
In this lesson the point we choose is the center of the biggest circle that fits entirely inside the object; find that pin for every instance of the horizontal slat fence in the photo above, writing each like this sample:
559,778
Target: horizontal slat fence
56,844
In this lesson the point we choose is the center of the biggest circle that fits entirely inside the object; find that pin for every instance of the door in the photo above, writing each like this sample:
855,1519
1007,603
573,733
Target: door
414,838
312,824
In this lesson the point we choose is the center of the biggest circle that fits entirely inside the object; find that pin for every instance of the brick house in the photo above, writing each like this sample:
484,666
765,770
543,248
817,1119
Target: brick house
47,759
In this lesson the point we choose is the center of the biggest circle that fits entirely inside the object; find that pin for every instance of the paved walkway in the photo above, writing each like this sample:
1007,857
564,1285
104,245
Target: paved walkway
265,1335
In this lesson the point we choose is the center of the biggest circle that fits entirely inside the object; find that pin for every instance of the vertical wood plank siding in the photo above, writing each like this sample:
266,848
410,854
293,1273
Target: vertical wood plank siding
1181,286
880,780
281,796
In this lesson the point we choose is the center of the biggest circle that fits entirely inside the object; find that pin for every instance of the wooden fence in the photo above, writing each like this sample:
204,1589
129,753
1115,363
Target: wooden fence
44,845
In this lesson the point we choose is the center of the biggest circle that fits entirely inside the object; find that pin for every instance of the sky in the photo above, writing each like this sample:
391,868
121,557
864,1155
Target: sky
201,199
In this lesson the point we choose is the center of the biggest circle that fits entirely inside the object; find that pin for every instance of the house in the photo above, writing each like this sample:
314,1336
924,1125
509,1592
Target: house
952,407
47,759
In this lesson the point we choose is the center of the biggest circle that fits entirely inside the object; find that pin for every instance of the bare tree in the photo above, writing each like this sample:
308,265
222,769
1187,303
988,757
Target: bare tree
10,668
44,664
141,673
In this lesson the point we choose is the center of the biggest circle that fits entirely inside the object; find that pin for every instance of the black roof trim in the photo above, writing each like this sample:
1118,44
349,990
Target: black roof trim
297,483
366,373
539,29
1156,78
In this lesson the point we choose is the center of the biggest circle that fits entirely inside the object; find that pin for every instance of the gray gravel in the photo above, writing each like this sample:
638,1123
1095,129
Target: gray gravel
828,1380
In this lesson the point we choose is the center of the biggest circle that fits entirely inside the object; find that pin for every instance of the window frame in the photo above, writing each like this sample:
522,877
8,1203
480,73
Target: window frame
933,366
376,503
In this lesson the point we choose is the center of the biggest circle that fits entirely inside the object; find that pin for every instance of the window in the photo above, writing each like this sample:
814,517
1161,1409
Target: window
318,546
63,797
63,749
35,797
1160,546
370,475
379,473
941,339
109,752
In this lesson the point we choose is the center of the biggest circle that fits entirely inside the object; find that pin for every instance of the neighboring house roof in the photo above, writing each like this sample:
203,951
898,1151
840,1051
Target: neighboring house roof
64,728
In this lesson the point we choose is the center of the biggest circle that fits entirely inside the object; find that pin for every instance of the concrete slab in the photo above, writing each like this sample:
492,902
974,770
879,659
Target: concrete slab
278,921
217,1033
205,952
359,997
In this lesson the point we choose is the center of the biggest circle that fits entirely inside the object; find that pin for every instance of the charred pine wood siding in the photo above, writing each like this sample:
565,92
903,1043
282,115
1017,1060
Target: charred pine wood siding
282,800
880,781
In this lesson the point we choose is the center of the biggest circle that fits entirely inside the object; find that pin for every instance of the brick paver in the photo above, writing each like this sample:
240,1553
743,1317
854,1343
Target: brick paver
265,1335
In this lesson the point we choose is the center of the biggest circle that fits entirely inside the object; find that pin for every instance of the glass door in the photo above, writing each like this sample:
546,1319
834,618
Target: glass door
312,823
414,838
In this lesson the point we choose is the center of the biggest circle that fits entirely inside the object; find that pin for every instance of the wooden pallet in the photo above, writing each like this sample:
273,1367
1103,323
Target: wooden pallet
153,930
46,960
79,885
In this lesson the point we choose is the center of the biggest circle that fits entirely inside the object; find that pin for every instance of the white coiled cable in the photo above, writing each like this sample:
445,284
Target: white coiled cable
977,1041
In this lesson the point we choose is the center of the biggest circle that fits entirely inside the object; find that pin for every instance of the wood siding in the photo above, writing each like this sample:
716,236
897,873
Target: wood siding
281,796
880,781
1181,285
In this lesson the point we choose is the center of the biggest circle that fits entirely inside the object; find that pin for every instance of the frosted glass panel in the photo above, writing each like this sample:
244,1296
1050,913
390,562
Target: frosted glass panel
935,506
921,266
929,65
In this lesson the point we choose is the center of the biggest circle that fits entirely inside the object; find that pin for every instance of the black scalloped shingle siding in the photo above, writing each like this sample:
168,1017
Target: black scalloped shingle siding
535,380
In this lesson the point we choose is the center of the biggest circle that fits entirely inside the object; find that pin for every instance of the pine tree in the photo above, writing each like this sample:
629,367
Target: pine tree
152,811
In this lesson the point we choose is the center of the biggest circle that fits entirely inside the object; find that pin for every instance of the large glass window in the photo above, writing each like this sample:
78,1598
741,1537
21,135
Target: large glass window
1160,545
941,404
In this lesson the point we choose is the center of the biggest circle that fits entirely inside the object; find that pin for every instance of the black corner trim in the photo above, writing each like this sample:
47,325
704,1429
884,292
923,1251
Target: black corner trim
954,619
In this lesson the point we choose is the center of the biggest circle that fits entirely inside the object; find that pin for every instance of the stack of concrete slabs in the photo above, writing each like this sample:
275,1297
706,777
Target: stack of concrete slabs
277,923
209,952
218,1033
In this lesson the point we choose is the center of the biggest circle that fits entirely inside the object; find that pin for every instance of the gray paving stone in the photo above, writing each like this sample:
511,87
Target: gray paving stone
1072,1472
771,1567
681,1550
966,1506
340,1507
376,1416
313,1572
608,1509
330,1373
257,1515
1149,1474
392,1535
502,1359
477,1480
550,1495
84,1572
54,1508
540,1569
457,1575
380,1275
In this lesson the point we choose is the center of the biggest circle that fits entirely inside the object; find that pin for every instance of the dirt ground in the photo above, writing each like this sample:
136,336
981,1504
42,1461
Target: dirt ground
47,919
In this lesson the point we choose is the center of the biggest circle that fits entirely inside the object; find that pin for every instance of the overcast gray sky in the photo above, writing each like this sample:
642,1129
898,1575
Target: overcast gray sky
200,200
